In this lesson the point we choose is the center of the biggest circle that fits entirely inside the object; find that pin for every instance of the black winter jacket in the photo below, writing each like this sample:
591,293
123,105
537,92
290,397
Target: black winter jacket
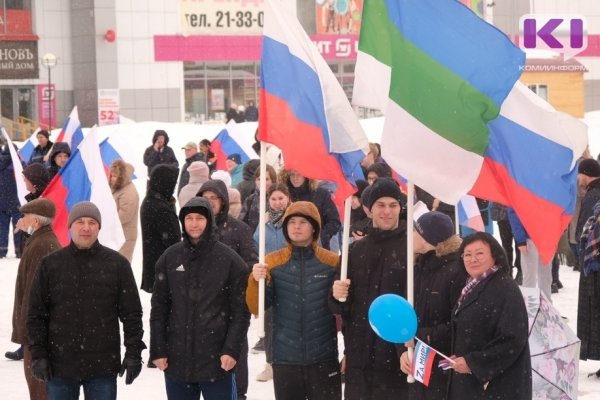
9,201
159,223
591,197
490,329
231,231
39,153
439,280
376,266
248,185
152,158
76,301
198,304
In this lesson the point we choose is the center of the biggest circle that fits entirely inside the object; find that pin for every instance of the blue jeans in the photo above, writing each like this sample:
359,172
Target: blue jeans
93,389
222,389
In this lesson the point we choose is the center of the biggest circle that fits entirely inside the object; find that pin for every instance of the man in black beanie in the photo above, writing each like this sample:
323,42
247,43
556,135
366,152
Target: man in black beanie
376,265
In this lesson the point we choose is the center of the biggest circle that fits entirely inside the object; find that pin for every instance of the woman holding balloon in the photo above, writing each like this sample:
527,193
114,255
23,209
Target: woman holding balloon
489,328
439,279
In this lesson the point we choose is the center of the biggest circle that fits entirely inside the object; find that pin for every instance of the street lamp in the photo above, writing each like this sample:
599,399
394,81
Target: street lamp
49,61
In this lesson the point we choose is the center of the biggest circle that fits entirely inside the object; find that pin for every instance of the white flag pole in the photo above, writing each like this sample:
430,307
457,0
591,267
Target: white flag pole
456,224
410,276
345,240
261,236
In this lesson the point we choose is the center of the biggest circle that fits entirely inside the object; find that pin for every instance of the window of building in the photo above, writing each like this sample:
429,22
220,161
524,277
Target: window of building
540,90
211,88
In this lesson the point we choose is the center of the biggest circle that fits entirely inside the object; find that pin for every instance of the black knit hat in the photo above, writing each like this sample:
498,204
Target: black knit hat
37,174
589,167
383,187
366,193
435,227
43,132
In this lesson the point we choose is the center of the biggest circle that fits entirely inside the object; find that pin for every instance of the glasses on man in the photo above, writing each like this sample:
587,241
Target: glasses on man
468,257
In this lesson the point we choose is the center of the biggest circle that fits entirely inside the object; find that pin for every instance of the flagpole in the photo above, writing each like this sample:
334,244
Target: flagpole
345,240
262,192
456,223
410,293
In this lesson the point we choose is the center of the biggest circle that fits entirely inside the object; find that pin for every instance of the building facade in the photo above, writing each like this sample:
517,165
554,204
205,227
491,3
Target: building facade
190,60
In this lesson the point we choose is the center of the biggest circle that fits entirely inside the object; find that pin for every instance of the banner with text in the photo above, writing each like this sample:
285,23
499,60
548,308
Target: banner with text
221,17
19,60
108,106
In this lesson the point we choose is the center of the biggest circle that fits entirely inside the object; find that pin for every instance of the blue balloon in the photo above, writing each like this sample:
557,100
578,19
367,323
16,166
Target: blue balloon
392,318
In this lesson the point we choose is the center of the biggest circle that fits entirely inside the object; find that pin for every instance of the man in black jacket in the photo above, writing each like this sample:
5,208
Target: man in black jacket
238,236
199,320
78,296
376,266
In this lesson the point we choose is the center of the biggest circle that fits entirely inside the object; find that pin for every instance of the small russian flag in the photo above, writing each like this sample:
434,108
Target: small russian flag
422,362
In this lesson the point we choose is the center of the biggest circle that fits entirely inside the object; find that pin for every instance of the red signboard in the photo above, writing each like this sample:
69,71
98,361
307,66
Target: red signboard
15,22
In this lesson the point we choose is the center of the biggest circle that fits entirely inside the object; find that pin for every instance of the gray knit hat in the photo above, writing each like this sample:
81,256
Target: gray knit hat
85,209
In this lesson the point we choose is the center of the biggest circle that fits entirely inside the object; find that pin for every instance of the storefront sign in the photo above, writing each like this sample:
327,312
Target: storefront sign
221,17
19,60
242,48
108,106
46,105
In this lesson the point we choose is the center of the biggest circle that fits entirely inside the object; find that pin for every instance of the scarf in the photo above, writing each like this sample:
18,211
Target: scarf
590,245
472,282
274,215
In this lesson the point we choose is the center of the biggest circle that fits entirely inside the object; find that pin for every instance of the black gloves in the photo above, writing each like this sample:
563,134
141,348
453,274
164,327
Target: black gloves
40,369
133,367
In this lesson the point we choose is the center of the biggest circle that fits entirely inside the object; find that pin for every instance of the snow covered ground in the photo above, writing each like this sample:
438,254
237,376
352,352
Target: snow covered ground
150,384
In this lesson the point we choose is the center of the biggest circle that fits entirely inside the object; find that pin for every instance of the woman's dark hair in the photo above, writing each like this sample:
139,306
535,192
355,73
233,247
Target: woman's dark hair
279,187
270,171
498,253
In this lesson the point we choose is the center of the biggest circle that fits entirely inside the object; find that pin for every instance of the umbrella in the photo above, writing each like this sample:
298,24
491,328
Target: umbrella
554,349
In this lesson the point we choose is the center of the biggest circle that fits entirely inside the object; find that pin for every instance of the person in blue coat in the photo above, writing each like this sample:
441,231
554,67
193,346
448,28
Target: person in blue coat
278,200
298,277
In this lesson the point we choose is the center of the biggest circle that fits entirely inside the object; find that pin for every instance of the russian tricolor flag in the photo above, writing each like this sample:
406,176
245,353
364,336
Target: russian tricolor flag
27,149
469,214
71,131
83,178
422,362
232,140
303,109
112,149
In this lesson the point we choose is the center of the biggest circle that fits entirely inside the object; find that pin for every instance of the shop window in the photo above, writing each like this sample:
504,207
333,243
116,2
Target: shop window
540,90
16,4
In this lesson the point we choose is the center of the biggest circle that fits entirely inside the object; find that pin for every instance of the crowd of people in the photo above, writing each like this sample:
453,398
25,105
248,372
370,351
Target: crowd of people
199,234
